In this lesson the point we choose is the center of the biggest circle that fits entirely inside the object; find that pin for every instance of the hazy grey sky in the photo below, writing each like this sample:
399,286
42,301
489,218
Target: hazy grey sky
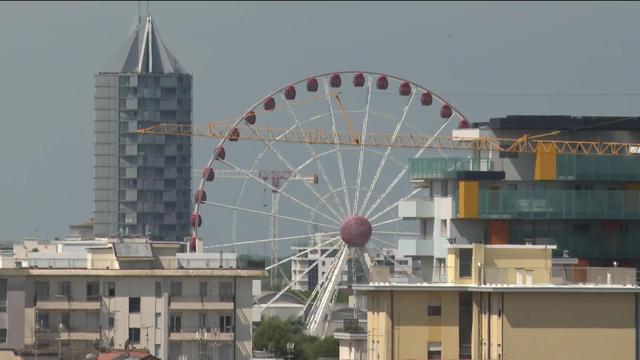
238,52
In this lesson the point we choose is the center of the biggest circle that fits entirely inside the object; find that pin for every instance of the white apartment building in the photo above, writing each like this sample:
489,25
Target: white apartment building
399,263
70,298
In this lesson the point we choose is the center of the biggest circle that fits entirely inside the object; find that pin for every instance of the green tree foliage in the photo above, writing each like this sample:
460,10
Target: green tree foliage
273,333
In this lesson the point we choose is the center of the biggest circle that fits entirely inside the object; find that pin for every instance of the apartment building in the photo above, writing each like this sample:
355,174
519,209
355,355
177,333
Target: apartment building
72,298
400,264
142,184
503,302
585,205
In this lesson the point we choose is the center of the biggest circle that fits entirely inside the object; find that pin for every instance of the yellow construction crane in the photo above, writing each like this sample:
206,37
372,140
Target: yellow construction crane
462,140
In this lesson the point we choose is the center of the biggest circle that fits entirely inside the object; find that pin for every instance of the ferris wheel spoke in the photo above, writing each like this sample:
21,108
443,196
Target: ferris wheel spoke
260,241
337,144
268,214
299,277
363,140
315,157
406,168
384,242
386,154
386,222
304,252
395,233
291,168
292,198
415,191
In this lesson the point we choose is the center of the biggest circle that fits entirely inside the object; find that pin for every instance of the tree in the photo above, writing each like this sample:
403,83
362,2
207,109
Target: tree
275,333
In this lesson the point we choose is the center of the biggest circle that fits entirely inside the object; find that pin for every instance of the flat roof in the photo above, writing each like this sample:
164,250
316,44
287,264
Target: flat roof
135,272
565,122
497,288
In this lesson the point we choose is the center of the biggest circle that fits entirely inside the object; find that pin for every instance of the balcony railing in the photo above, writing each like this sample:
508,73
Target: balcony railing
559,204
197,334
215,302
512,276
597,243
604,168
443,168
184,262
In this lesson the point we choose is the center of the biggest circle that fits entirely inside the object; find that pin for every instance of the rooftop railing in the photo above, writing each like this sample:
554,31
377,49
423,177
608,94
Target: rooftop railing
442,168
509,276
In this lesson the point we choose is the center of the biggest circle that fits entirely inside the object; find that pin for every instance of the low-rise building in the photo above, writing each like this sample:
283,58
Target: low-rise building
504,302
71,298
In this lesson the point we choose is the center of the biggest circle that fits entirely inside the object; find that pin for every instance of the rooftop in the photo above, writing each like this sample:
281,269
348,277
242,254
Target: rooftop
564,122
144,53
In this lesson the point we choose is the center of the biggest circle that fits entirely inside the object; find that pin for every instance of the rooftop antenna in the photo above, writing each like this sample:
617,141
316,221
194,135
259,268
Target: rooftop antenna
148,8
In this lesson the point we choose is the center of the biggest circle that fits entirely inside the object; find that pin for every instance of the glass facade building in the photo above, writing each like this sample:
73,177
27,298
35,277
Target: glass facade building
142,184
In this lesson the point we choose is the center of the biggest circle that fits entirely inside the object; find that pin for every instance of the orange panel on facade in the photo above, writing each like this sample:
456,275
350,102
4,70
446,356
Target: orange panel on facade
498,232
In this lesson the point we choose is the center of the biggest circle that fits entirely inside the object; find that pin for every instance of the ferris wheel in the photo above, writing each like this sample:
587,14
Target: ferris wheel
303,163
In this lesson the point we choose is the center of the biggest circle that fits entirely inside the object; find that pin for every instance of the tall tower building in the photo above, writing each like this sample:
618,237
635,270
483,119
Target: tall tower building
142,184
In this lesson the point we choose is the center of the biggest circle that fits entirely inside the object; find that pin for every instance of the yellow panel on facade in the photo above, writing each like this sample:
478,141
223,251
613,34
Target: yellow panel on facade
569,326
468,199
546,160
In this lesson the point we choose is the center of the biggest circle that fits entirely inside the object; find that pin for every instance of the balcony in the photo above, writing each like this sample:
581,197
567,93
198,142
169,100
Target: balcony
220,302
416,208
444,168
597,243
416,246
82,333
192,335
559,204
68,302
598,168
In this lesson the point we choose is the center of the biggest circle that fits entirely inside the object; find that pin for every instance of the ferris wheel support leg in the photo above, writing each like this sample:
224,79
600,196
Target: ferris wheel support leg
324,298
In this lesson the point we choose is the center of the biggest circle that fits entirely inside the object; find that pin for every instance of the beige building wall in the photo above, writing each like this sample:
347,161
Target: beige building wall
413,329
569,326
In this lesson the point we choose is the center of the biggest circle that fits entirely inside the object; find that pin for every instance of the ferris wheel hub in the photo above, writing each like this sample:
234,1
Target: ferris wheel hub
356,231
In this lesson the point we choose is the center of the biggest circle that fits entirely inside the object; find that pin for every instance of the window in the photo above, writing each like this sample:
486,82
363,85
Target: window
3,336
64,288
110,289
158,320
465,258
203,289
93,320
434,308
158,289
112,322
175,289
157,351
134,335
226,291
225,324
134,305
175,323
93,291
434,350
3,295
65,320
203,320
42,290
42,320
444,231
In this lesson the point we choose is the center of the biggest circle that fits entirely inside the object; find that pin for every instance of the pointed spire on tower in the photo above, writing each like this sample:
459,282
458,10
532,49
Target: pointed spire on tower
144,52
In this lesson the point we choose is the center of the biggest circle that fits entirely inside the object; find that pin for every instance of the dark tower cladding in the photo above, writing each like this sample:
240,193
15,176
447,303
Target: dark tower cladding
142,184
